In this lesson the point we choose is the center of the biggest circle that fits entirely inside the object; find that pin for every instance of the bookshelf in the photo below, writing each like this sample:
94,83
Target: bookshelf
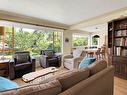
117,44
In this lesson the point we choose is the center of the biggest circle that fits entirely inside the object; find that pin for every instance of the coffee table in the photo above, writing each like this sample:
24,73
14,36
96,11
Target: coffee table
33,75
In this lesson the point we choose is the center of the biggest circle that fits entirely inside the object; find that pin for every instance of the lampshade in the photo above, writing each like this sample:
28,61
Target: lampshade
96,36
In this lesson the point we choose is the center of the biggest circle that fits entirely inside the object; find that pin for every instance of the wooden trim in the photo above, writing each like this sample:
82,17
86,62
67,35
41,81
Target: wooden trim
13,29
34,24
19,18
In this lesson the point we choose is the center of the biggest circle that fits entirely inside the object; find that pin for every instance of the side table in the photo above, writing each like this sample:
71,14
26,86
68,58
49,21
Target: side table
4,67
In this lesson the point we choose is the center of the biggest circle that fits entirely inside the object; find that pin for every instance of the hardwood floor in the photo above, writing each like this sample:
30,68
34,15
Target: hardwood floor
120,86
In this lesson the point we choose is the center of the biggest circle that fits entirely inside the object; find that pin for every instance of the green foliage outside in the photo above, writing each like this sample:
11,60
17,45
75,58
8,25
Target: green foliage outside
33,40
94,41
80,41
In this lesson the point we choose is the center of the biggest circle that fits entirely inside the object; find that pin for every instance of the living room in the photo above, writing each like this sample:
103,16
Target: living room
63,47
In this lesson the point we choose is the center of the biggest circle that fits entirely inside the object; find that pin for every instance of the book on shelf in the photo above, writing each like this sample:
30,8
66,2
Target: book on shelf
126,42
117,41
118,33
118,49
124,52
121,33
121,42
110,51
124,33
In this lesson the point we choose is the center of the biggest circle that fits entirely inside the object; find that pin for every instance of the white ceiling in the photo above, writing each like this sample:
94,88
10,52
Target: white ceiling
62,11
96,28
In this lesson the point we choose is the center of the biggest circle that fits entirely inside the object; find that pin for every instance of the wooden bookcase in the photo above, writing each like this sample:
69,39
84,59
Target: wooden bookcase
117,44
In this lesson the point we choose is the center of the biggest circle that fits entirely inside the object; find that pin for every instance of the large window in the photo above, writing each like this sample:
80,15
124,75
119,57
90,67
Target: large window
79,40
33,40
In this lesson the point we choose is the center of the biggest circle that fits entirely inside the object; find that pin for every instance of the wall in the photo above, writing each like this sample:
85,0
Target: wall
67,45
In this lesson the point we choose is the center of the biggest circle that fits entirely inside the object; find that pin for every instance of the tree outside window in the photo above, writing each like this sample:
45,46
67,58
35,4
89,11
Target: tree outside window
80,40
24,39
94,41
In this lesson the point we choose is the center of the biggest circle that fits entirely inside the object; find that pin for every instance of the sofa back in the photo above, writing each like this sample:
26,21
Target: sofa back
70,79
97,66
100,83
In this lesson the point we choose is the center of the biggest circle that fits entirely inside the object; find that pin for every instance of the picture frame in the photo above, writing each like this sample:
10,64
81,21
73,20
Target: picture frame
66,39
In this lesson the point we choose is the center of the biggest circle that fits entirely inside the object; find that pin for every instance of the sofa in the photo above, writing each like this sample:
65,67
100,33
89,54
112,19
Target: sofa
96,79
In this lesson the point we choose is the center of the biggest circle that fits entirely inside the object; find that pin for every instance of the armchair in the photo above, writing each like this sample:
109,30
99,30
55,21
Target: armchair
49,58
22,64
72,61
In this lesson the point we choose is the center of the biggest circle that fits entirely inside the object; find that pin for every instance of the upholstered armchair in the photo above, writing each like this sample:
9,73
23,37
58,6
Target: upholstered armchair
49,58
22,64
72,61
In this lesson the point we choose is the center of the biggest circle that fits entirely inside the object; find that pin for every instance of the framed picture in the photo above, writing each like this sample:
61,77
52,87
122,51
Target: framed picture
66,40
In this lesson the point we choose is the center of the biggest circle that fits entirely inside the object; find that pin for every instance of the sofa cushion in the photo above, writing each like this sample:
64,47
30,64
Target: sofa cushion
22,66
86,61
69,79
51,88
97,66
6,84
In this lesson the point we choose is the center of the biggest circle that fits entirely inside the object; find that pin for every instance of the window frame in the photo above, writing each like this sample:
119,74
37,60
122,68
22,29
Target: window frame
98,41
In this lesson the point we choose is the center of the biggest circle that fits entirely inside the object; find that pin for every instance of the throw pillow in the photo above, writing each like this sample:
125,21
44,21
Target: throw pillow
86,61
6,84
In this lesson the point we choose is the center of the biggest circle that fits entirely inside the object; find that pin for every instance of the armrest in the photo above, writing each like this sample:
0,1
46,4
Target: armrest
33,61
11,69
77,61
43,61
67,56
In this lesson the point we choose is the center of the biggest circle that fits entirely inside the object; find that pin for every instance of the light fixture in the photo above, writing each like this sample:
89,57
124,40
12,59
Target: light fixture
96,36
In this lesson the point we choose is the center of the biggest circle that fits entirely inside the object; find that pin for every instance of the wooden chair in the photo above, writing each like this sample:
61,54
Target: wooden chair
103,52
98,53
90,54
